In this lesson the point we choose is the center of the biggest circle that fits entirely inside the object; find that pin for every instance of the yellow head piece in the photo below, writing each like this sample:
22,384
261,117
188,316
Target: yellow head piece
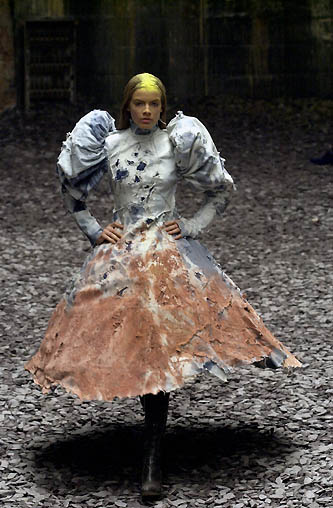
148,82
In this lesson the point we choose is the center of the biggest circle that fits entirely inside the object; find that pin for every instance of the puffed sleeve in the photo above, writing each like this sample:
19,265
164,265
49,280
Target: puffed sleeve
199,162
81,165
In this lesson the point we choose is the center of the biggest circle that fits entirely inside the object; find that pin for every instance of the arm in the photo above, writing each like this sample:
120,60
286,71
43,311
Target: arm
81,214
204,217
81,165
199,162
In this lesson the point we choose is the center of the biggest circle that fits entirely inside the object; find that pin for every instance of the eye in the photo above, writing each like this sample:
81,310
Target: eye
156,104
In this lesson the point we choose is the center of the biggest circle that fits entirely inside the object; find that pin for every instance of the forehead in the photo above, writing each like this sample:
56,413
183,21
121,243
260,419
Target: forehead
146,95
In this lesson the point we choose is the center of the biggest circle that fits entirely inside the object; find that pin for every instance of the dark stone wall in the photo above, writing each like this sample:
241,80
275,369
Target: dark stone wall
7,70
253,48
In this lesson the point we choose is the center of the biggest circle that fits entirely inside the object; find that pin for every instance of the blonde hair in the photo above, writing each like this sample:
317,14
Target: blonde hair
149,82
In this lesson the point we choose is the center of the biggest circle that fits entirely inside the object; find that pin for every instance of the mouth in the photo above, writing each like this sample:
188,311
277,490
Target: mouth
146,120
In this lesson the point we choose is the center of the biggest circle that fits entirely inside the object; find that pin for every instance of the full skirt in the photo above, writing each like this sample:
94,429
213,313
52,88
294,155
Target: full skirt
146,315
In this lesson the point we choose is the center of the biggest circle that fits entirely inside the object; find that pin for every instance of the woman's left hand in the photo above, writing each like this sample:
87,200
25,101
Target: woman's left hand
172,228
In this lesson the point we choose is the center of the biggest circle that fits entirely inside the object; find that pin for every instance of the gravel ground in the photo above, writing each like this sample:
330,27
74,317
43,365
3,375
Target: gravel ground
264,438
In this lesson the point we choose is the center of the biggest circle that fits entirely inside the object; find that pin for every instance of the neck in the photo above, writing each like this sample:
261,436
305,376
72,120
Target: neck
141,132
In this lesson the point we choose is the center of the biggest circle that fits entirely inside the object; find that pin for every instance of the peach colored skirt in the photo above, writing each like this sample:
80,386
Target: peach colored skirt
146,315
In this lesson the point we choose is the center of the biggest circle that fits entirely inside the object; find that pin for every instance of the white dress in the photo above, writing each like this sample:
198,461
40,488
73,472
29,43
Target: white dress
150,312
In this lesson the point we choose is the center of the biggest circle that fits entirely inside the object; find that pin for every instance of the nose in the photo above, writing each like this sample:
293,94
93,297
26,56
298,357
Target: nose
147,108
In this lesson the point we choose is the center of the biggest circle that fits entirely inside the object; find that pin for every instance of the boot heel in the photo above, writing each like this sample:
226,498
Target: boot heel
151,481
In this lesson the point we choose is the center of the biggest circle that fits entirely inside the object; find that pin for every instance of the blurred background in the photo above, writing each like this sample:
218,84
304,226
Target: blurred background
65,50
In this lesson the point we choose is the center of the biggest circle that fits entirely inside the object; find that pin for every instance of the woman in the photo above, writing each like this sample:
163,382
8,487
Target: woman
150,307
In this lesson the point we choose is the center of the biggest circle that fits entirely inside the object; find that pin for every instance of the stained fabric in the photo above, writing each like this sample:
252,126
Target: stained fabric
83,148
81,165
150,312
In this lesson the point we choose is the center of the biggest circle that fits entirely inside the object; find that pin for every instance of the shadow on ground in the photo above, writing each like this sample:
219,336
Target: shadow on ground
113,455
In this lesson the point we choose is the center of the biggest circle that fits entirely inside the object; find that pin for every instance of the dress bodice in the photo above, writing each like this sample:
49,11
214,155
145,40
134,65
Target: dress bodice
142,174
144,167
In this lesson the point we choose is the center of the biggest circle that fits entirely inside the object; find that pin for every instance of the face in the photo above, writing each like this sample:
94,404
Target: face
145,107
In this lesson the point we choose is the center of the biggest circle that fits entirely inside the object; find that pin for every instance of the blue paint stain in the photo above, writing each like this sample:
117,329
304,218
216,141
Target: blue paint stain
137,179
121,173
136,154
105,275
142,198
79,206
130,163
134,210
141,166
129,245
198,275
117,163
208,365
149,221
121,291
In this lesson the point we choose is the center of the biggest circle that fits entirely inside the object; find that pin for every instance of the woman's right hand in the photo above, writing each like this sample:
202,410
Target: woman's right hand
110,234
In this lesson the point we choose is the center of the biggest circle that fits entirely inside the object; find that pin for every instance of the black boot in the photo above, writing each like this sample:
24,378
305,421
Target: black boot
327,158
156,412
